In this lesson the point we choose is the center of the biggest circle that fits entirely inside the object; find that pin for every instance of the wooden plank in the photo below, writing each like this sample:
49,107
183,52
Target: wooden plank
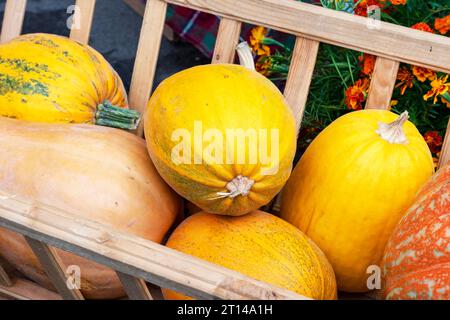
227,40
338,28
23,289
135,288
49,259
147,56
13,19
300,75
130,254
382,84
86,15
4,278
445,152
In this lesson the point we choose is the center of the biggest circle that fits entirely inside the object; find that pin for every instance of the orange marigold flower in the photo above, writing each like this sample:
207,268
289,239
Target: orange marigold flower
442,24
405,78
434,141
436,159
438,87
367,62
257,34
263,65
423,74
356,94
363,5
422,26
397,2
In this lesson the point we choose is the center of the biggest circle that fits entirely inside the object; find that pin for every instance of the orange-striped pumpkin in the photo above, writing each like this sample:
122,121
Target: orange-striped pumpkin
416,262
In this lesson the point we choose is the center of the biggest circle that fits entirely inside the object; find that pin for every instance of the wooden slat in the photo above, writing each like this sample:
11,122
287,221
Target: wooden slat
130,254
445,153
227,40
86,8
135,288
13,19
4,278
54,268
23,289
300,75
339,28
382,84
147,56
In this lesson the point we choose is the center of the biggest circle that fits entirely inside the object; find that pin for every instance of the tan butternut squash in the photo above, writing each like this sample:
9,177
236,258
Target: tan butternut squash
103,174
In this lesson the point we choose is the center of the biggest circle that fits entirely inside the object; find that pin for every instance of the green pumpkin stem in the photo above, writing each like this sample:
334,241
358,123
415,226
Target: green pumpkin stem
111,116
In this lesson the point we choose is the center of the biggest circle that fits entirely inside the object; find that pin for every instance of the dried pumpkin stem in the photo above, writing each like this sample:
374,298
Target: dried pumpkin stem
111,116
245,55
239,186
393,132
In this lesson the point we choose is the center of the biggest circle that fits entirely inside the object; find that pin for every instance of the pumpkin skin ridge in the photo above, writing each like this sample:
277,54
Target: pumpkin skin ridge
226,226
310,215
416,260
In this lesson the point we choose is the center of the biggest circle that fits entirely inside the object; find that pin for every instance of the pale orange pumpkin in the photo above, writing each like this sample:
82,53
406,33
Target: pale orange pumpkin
259,245
101,173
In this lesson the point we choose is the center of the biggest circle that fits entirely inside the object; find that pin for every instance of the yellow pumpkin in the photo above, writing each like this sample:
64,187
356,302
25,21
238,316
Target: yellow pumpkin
351,187
49,78
260,246
99,173
222,136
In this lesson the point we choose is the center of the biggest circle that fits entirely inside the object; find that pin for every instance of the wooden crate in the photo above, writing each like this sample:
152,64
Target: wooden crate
138,261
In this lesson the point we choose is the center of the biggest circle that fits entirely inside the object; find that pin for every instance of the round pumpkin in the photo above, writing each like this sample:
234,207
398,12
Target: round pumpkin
260,246
416,263
99,173
49,78
351,187
222,136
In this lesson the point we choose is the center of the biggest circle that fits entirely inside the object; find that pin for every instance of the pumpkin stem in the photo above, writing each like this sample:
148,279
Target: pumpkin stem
238,186
245,55
393,132
111,116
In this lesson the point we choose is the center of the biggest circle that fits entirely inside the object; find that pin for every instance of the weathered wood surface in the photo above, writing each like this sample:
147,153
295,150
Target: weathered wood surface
13,19
338,28
130,254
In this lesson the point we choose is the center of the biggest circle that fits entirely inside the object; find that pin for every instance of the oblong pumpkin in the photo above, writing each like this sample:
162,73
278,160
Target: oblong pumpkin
260,246
194,124
49,78
101,173
352,186
416,263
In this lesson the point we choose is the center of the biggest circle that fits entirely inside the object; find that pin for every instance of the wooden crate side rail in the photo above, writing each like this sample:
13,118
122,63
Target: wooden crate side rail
130,254
334,27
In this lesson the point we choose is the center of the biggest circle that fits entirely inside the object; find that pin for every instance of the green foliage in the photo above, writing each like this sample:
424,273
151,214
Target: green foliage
338,69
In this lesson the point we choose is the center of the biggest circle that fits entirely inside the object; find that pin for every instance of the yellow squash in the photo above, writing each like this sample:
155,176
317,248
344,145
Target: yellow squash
49,78
351,187
222,136
260,246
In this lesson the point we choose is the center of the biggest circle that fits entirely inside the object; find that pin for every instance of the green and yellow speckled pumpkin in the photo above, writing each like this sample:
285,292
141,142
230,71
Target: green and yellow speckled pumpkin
237,132
260,246
49,78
